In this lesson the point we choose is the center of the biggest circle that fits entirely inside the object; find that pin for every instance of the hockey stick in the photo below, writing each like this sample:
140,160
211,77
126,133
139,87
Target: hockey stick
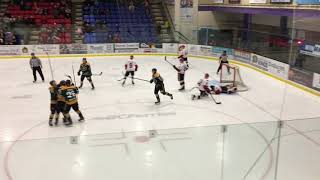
165,58
97,74
50,66
217,102
68,76
74,77
140,79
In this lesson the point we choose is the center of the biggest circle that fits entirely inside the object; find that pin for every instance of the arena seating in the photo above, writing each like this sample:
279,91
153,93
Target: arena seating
54,18
118,21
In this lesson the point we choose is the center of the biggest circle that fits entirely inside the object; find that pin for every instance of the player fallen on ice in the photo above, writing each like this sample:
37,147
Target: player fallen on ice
36,66
70,92
204,88
181,69
183,53
130,67
53,89
159,85
85,72
217,88
223,59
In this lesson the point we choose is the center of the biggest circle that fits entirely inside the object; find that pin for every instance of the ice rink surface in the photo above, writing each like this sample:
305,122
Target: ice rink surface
187,142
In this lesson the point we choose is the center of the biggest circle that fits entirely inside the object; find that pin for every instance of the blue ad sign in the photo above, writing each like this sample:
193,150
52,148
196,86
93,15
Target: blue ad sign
308,1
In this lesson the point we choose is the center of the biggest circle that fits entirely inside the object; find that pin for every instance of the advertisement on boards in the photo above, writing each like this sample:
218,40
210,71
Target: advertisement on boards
269,65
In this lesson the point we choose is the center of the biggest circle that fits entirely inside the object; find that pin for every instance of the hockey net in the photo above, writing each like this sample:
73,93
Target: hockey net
230,74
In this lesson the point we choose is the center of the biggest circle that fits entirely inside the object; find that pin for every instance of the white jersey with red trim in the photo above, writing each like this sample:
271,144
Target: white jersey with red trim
131,66
182,67
203,84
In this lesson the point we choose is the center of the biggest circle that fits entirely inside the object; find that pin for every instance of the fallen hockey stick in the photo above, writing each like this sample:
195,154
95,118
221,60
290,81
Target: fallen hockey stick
217,102
97,74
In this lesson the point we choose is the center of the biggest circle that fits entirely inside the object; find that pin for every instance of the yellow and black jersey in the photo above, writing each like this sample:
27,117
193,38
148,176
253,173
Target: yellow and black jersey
85,68
69,93
156,78
53,94
60,98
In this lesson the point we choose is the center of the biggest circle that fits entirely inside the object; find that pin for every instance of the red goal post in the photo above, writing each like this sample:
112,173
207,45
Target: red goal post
230,74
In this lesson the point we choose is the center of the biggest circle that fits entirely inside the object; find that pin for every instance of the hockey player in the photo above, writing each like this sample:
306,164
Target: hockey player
130,67
183,54
204,87
61,103
85,72
69,92
53,101
223,59
181,68
159,85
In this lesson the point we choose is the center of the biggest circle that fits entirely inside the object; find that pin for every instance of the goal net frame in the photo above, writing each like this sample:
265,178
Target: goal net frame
230,75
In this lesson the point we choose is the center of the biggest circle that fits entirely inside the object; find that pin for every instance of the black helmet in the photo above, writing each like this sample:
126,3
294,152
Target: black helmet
84,59
32,54
68,82
52,82
154,69
62,83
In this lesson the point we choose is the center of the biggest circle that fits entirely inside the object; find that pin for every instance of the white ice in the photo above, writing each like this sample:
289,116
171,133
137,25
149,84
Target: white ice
188,142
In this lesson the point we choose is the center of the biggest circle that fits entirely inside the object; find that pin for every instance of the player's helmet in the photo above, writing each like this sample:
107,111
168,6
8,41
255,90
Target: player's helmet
206,75
52,83
154,70
131,57
84,59
32,54
217,90
68,82
181,59
62,83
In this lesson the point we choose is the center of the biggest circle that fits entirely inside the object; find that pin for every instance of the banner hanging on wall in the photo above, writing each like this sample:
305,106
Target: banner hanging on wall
269,65
307,1
73,49
258,1
170,48
217,1
6,50
51,49
234,1
186,11
280,1
100,48
126,47
242,56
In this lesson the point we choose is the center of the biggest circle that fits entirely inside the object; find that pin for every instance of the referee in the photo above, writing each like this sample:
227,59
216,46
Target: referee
36,65
223,59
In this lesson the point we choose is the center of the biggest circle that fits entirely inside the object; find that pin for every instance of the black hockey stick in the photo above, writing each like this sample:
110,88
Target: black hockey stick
68,76
165,58
217,102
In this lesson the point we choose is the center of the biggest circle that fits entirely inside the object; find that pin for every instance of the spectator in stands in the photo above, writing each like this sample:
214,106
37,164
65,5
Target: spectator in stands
147,6
109,38
166,26
67,12
116,38
131,6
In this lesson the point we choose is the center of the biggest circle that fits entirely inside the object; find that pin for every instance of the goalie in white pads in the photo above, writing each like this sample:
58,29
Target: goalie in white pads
130,67
204,88
183,54
181,68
